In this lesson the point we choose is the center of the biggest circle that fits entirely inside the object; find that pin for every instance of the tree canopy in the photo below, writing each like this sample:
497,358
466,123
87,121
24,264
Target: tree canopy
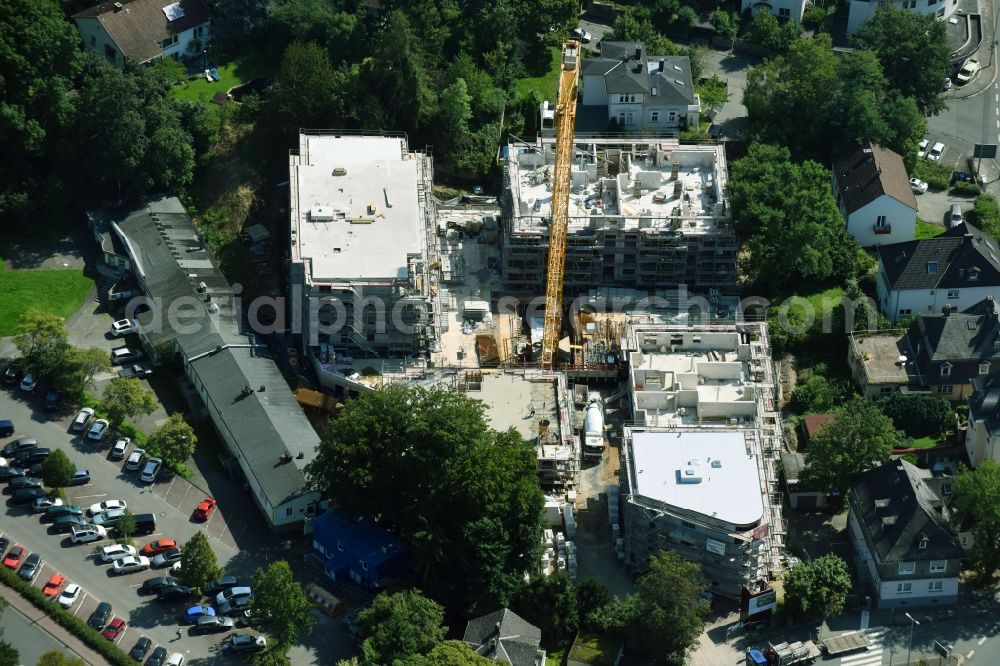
918,415
125,397
199,565
58,469
424,462
43,342
860,438
671,608
550,603
977,503
399,626
173,440
280,607
819,588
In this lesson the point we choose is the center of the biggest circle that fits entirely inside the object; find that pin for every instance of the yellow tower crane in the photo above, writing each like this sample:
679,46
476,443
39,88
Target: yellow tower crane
569,80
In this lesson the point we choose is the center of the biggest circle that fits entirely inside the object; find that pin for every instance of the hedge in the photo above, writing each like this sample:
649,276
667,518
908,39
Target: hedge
65,619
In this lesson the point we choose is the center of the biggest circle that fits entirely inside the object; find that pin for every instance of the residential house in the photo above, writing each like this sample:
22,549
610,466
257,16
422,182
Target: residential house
982,438
783,9
811,425
144,30
874,196
503,636
634,92
354,549
882,362
799,495
193,321
860,11
906,548
959,268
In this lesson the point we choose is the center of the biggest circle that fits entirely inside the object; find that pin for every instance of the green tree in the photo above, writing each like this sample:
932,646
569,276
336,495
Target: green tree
449,653
42,340
198,563
792,228
454,113
977,503
272,658
315,21
82,364
818,588
726,25
549,603
400,625
918,415
125,527
616,617
56,658
280,607
591,594
860,438
401,78
815,391
58,469
126,397
671,607
9,655
304,92
765,30
424,463
914,52
713,92
173,440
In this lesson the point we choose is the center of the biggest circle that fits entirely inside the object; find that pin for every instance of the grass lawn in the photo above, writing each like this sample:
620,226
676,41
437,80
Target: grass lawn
231,74
60,292
927,230
822,302
546,83
920,443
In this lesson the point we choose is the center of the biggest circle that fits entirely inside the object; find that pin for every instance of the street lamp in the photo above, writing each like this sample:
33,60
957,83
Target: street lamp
910,644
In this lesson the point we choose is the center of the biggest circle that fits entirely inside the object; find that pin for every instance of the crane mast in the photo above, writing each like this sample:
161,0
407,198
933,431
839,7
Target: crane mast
569,79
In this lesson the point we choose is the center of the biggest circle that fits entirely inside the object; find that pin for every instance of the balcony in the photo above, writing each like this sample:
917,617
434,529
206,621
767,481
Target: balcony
883,229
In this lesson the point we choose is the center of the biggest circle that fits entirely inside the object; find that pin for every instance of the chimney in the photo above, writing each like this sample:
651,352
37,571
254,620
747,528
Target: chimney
946,310
662,64
638,52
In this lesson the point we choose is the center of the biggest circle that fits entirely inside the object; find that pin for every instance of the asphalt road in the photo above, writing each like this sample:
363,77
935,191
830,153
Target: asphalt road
30,641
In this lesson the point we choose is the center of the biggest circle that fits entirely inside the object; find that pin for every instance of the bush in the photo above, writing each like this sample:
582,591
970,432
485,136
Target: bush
814,16
67,620
937,176
918,415
986,215
966,188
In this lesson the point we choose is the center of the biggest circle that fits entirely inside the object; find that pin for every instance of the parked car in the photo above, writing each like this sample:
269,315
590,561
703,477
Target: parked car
4,542
20,444
54,512
65,524
918,186
119,449
130,564
82,419
70,595
6,428
14,556
166,558
55,585
174,593
582,35
117,551
159,546
205,509
922,148
151,470
233,594
81,477
98,429
87,533
107,505
157,583
145,523
139,371
213,624
7,473
28,382
19,482
175,659
158,657
124,327
114,629
42,504
24,496
937,150
955,215
192,614
245,643
100,616
53,399
31,456
124,355
135,460
11,374
216,586
968,71
32,565
140,648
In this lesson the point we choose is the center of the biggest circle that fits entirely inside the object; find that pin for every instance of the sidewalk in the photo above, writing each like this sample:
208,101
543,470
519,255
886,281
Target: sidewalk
49,626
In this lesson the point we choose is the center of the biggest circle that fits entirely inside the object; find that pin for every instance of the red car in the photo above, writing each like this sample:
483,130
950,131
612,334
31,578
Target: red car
114,629
55,585
14,556
205,509
158,546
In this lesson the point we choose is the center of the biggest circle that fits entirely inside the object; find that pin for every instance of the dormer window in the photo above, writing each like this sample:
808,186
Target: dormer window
996,344
984,368
931,267
973,274
923,543
946,369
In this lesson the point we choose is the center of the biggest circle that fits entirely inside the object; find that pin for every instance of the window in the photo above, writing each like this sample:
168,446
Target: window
996,344
906,568
953,293
110,53
364,565
937,566
93,40
288,511
946,369
945,389
885,390
973,274
923,543
880,222
169,41
903,588
931,267
340,547
198,32
654,116
984,368
935,586
784,12
906,311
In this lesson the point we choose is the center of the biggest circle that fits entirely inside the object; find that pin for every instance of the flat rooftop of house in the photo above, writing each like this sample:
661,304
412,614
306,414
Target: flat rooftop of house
880,355
513,401
354,206
604,189
704,472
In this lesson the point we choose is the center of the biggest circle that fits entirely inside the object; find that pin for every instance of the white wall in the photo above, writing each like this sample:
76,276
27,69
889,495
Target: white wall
901,218
794,8
931,300
184,40
978,443
860,11
96,38
919,594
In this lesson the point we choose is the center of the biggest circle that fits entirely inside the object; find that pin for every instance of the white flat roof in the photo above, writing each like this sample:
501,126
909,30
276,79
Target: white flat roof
730,492
370,221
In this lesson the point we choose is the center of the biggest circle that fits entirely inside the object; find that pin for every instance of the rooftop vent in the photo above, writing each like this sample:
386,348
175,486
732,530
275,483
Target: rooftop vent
118,7
717,464
888,520
679,82
677,68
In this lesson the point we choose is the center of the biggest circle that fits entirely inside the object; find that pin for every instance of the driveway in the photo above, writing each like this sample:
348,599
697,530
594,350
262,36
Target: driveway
933,207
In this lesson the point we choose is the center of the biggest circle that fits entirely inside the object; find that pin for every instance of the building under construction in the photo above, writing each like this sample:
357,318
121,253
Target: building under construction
647,214
700,457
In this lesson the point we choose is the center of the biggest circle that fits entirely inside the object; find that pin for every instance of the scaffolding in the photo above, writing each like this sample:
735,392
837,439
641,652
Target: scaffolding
569,79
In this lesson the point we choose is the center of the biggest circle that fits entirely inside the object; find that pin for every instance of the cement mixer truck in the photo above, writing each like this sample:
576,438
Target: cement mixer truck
593,430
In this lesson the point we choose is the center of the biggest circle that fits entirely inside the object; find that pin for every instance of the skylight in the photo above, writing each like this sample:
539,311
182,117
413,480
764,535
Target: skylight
174,11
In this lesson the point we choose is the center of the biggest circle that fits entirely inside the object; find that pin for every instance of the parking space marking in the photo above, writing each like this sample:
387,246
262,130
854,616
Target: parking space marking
122,637
981,640
80,497
79,604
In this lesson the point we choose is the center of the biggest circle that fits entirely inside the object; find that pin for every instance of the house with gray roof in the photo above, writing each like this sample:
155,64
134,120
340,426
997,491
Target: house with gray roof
982,437
144,30
505,637
873,193
906,548
634,92
791,10
195,322
959,268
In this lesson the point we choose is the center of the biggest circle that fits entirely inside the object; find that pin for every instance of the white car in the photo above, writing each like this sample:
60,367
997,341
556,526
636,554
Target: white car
937,150
151,470
108,517
88,533
107,504
166,559
70,595
176,659
130,564
135,459
922,148
918,186
119,449
124,327
968,71
28,383
98,429
116,551
582,35
82,419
